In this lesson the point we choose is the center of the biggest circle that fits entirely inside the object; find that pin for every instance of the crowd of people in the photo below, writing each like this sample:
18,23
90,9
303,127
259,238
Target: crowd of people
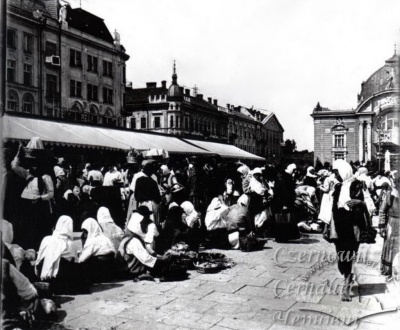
69,228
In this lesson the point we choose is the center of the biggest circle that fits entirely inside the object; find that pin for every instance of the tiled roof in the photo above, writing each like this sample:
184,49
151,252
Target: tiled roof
140,95
27,7
86,22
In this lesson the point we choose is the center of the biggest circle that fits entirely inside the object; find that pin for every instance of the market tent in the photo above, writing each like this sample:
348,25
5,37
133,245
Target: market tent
224,150
66,134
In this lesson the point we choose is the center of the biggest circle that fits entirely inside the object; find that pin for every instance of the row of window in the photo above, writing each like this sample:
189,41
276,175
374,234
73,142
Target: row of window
92,92
28,102
12,41
75,60
185,123
12,72
51,49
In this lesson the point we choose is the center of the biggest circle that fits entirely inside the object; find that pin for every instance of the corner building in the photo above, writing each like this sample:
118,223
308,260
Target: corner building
63,63
366,133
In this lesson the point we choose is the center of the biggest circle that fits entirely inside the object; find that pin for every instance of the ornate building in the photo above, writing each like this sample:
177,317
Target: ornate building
177,111
365,133
63,63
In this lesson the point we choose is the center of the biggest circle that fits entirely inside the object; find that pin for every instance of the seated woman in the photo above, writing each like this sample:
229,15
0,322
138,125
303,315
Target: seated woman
194,231
98,253
239,217
217,233
110,229
56,259
230,195
174,230
137,246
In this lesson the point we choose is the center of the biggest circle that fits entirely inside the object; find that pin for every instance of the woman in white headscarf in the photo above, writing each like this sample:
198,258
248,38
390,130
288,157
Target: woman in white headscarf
110,229
345,222
194,232
137,247
56,258
97,253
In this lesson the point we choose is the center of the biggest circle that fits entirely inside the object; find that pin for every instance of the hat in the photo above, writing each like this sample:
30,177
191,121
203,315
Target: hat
144,210
257,170
147,161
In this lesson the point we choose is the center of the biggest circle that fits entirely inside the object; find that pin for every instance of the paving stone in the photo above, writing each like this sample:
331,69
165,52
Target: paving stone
225,298
191,320
253,281
279,275
152,287
107,307
238,324
145,313
229,287
215,277
196,293
139,325
254,291
275,304
149,299
242,311
95,320
374,326
189,305
247,272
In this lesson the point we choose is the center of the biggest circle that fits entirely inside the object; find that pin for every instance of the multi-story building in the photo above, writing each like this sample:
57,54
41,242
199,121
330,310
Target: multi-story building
63,63
367,132
177,111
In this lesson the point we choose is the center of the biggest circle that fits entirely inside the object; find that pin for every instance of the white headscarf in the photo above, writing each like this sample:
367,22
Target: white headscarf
58,171
243,200
290,168
346,173
309,169
135,227
97,243
191,215
165,170
104,216
7,232
54,246
244,169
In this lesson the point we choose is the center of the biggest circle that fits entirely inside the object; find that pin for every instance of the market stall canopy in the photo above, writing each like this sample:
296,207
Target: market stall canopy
66,134
85,136
224,150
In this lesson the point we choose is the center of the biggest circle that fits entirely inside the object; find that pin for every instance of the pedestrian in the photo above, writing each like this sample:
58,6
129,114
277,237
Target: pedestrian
110,229
36,211
389,224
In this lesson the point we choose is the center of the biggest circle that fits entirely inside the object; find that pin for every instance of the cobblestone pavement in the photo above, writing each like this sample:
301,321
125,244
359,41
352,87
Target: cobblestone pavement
284,286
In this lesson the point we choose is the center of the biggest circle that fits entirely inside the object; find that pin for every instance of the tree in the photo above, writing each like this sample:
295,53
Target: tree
290,146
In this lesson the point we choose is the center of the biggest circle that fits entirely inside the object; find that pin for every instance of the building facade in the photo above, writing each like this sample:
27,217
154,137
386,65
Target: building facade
367,132
178,111
63,63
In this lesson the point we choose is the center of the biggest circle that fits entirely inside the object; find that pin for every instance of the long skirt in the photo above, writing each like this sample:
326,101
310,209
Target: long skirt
36,222
99,268
390,246
346,255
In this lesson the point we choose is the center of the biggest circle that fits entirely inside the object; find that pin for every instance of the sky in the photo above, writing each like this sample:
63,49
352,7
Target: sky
279,55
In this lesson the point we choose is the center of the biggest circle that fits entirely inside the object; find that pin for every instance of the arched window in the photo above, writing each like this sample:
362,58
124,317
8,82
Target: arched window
109,117
12,100
28,103
75,112
93,112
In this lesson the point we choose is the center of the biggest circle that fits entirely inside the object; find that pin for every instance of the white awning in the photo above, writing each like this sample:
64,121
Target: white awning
66,134
225,150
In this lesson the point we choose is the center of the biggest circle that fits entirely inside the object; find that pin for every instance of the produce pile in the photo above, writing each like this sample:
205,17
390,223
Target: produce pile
203,262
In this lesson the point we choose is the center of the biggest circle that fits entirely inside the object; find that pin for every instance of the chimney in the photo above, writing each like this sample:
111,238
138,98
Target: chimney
151,85
228,106
215,102
187,92
200,96
181,88
210,100
164,84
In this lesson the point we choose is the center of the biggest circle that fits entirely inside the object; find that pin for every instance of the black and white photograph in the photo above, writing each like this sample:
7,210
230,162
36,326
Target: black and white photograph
200,164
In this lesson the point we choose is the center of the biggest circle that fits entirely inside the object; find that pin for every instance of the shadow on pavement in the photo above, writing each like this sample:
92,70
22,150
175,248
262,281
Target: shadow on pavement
104,286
